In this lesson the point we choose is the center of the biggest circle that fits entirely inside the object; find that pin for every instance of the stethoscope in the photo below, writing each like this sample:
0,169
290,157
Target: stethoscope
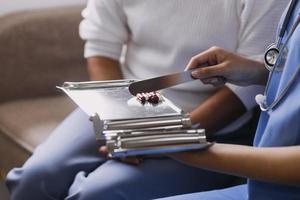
274,61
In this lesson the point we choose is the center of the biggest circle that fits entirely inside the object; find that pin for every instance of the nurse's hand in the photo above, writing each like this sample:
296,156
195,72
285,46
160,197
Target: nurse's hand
129,160
220,66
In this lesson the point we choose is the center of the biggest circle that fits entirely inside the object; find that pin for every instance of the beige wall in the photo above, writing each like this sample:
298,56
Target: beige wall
7,6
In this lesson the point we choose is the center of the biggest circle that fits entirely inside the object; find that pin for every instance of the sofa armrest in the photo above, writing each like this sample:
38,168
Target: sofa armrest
39,50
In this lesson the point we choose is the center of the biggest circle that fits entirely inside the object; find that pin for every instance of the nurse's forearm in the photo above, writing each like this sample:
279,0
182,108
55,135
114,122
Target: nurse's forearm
218,110
102,68
278,164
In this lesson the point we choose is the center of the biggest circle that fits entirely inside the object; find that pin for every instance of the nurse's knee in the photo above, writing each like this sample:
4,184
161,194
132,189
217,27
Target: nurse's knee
91,189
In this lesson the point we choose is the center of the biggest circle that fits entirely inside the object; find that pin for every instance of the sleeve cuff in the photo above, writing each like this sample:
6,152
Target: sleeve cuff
98,48
247,94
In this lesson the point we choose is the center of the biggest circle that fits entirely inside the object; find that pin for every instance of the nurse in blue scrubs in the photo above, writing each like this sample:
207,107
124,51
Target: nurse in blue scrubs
272,165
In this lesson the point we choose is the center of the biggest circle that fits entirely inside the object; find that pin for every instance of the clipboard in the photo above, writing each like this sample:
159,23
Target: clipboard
130,128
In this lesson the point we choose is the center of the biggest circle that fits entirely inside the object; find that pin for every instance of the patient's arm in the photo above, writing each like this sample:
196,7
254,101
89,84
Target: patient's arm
103,68
276,164
218,110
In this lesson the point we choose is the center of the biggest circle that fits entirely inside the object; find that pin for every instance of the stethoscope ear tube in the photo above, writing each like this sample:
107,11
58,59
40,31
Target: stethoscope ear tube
287,18
273,51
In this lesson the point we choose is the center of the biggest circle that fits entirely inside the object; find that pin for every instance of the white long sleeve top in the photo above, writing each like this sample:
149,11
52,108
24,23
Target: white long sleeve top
162,35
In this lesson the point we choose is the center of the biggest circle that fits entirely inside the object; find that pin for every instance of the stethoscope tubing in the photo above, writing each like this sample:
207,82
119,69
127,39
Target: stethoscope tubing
263,105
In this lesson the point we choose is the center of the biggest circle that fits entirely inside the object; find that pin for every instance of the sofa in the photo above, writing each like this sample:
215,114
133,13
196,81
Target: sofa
38,50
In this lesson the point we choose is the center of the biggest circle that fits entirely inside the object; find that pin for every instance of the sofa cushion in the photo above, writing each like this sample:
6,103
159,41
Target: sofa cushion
29,122
40,49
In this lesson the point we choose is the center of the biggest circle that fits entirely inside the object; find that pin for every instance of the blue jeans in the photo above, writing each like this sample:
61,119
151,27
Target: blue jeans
68,166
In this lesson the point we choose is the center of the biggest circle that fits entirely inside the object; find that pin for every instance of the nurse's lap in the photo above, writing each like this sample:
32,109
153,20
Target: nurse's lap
154,178
71,151
233,193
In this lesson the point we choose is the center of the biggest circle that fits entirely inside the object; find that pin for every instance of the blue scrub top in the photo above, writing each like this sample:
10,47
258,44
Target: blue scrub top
281,127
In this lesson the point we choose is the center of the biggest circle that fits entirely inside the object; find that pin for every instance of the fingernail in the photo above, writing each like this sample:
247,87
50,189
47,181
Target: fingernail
186,69
204,82
195,74
213,80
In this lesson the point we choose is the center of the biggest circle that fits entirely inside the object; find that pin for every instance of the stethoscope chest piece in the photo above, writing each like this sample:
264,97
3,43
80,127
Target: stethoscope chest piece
271,56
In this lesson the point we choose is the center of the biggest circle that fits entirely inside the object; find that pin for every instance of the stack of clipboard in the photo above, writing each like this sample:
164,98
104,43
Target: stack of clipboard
130,128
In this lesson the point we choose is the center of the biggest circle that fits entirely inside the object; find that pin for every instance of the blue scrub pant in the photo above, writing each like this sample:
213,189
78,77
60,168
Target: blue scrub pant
68,166
233,193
